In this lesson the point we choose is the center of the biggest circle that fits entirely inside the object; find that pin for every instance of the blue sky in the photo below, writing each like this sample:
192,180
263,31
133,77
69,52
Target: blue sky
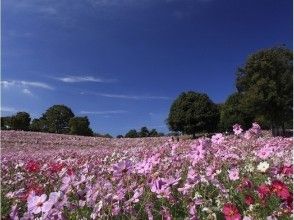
123,62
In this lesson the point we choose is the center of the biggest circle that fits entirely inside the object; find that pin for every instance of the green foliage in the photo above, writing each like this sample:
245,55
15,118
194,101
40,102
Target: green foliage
5,123
144,132
266,81
193,112
20,121
80,126
132,134
119,136
153,133
39,125
57,119
231,113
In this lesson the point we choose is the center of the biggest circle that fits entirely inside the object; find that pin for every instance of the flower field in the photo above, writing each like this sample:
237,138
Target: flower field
241,176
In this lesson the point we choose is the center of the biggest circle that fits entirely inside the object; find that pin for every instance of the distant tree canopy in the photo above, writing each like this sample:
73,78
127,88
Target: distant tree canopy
19,121
39,124
231,112
80,126
5,123
57,119
193,112
132,134
144,132
266,83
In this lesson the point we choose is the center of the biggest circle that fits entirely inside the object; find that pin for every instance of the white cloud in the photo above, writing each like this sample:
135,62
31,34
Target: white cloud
24,84
7,109
27,92
123,96
77,79
104,112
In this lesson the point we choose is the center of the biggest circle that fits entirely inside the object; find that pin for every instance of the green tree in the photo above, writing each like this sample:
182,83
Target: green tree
144,132
80,126
20,121
153,133
266,81
5,123
57,118
119,136
232,112
38,125
108,135
132,134
193,112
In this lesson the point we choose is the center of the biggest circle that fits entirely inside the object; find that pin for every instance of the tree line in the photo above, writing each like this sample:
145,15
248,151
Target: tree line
143,132
57,119
264,94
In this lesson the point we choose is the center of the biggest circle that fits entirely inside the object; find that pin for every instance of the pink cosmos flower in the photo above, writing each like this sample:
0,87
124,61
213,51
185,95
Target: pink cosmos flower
264,152
35,203
122,168
231,212
53,198
197,154
161,187
263,191
237,129
255,128
234,174
217,138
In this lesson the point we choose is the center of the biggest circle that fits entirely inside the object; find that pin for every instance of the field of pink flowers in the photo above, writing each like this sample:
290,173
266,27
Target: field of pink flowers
240,176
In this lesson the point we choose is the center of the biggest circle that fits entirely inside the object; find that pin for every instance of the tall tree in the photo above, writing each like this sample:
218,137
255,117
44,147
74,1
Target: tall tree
231,112
266,81
57,118
193,112
20,121
80,126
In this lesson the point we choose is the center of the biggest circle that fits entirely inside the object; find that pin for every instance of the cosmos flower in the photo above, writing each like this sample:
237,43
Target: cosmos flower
263,166
217,138
263,191
231,212
234,174
36,203
280,189
237,129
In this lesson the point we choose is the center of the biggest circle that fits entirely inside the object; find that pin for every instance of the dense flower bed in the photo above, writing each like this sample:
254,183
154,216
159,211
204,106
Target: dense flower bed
241,176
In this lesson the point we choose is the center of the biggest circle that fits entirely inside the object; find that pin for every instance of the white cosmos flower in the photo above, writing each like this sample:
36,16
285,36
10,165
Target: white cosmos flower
263,166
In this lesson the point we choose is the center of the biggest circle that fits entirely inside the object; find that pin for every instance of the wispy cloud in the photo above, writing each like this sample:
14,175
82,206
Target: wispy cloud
27,92
123,96
7,109
77,79
25,84
104,112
